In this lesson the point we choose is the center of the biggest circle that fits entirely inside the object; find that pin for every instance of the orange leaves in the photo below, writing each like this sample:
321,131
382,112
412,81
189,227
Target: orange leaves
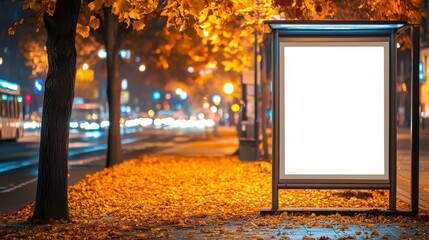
138,25
150,196
11,30
82,30
35,55
120,6
33,4
94,22
381,10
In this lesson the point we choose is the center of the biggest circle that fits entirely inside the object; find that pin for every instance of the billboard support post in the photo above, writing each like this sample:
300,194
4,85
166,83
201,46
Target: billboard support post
415,117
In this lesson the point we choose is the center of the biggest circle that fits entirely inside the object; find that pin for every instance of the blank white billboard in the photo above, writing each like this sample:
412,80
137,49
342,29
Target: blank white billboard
334,109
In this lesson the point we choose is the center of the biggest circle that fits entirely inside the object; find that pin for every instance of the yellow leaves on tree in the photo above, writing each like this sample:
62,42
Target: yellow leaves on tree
134,13
35,56
138,25
82,30
380,10
11,30
33,4
120,6
94,22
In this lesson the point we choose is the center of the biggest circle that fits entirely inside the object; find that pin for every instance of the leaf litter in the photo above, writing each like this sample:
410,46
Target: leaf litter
189,197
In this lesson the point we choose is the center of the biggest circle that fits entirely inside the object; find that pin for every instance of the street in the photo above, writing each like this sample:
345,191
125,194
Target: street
19,161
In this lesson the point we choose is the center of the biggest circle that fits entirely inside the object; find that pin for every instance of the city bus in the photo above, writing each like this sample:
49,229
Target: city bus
88,116
11,111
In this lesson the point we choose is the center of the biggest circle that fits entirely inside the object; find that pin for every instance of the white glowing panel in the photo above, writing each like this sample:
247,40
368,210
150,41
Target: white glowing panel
335,110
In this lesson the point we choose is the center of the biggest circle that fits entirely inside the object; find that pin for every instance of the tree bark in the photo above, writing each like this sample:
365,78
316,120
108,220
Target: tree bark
113,39
51,196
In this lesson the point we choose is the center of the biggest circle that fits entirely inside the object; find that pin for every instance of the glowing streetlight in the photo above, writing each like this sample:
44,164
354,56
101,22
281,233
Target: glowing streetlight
142,68
183,95
151,113
1,60
228,88
235,107
179,91
206,105
216,99
85,66
102,53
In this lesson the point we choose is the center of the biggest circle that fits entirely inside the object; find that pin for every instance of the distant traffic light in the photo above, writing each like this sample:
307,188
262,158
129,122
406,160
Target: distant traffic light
28,99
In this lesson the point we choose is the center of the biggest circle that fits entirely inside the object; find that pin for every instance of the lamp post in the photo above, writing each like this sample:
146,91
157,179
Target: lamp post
249,148
256,119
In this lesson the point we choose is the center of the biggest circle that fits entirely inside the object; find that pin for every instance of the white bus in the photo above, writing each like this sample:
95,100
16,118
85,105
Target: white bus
11,111
88,116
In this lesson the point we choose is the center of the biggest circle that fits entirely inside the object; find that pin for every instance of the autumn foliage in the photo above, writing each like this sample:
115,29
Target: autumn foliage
146,197
227,26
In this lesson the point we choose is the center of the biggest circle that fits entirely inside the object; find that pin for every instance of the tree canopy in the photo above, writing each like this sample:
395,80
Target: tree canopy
227,25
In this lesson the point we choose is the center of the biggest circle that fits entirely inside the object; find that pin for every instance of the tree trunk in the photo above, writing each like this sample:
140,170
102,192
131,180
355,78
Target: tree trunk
51,196
112,39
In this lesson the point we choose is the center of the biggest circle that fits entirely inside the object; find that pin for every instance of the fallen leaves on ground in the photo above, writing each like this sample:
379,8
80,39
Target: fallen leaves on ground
150,196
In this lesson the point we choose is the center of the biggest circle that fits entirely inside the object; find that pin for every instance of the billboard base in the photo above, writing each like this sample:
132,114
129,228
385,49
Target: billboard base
340,211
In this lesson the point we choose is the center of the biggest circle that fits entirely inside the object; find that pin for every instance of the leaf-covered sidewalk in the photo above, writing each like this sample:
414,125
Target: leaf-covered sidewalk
205,197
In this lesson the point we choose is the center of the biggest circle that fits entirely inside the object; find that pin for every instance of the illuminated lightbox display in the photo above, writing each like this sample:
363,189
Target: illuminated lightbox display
334,109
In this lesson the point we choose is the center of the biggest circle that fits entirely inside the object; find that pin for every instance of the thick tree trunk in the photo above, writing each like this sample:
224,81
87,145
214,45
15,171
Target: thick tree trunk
113,40
51,197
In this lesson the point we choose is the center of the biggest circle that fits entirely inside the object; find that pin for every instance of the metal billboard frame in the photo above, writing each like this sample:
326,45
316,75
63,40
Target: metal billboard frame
280,30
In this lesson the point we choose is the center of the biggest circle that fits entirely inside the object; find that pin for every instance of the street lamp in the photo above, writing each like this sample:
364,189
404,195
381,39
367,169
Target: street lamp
183,95
1,60
235,107
206,105
228,88
142,68
216,99
85,66
102,53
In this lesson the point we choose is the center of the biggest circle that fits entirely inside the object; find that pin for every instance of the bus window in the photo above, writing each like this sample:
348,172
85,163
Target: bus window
10,106
4,109
15,105
20,110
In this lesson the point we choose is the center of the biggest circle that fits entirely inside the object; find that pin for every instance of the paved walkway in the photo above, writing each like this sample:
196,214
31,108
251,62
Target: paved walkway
328,227
288,229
